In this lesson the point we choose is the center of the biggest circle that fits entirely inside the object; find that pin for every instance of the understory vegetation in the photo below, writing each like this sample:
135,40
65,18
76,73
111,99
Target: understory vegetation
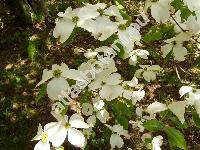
100,74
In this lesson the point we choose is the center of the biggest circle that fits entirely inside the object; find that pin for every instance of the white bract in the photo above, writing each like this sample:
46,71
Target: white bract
157,142
193,5
179,25
193,99
128,36
184,90
108,84
109,28
175,45
148,72
113,11
160,10
67,129
44,135
115,139
193,23
111,88
87,109
138,111
178,108
129,93
156,107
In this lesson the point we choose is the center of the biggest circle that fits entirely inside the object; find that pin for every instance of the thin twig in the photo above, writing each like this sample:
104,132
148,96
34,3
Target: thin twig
178,24
183,29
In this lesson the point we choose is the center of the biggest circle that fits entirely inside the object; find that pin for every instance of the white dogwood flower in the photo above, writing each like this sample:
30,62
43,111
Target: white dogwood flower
67,128
129,94
128,36
137,53
58,84
70,18
132,83
137,124
193,99
138,111
65,25
115,139
99,112
177,20
176,46
102,76
109,28
113,11
102,115
43,135
111,88
148,72
87,109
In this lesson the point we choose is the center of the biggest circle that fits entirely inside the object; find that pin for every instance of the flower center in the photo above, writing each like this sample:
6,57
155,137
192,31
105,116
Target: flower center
122,27
44,137
103,83
75,19
100,11
67,125
57,73
174,43
113,18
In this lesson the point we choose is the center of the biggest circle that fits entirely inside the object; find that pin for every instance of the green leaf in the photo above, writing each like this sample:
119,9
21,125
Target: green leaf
178,124
120,4
122,108
158,32
153,34
41,93
123,121
153,125
109,41
168,57
196,118
60,148
120,54
175,138
167,31
185,12
71,82
177,4
86,96
72,37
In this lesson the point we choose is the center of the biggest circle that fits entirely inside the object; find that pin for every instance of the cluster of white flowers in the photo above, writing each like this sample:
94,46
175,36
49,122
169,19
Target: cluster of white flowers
163,12
178,107
99,73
